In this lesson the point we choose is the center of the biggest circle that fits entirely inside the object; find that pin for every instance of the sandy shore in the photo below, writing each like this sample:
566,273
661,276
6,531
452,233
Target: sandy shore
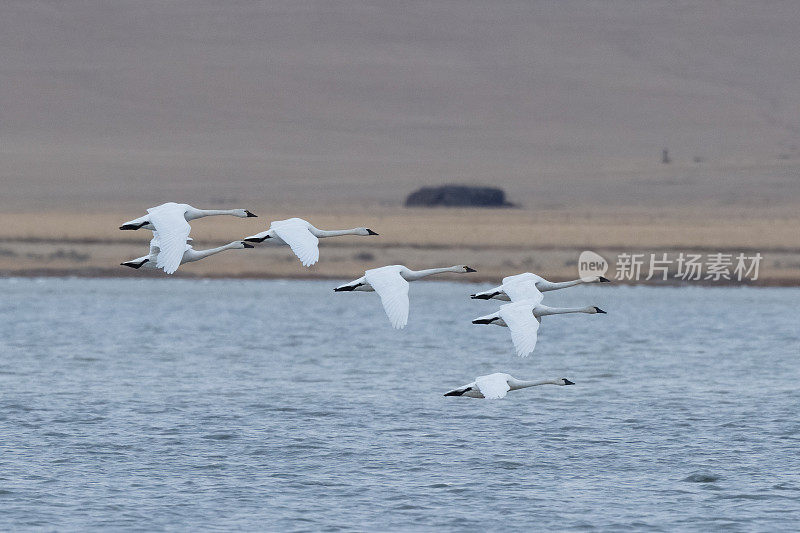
496,242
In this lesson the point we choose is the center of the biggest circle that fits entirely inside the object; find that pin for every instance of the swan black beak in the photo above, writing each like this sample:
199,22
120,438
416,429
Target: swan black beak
604,280
246,245
483,321
370,232
567,382
250,215
468,269
598,310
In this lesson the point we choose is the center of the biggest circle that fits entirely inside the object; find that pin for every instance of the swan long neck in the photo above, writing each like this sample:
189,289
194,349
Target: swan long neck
322,233
543,310
200,213
200,254
550,286
521,383
411,275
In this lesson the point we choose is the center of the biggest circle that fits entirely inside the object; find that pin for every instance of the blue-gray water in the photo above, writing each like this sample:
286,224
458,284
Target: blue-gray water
282,406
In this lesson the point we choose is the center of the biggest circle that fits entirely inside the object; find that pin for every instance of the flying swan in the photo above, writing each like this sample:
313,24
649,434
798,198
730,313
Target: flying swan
171,222
519,287
189,255
391,284
496,386
523,318
302,237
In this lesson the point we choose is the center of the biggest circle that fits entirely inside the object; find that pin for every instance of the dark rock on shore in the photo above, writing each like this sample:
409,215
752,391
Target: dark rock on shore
457,196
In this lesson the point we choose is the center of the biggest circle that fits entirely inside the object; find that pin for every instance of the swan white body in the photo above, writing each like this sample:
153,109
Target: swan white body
170,222
150,260
391,284
496,386
521,286
523,318
301,237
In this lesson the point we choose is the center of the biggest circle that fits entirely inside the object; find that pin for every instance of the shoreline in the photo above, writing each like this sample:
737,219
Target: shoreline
449,247
255,276
497,243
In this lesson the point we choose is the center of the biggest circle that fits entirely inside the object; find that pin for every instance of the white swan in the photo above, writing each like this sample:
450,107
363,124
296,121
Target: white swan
523,284
523,318
189,255
188,212
496,386
171,221
391,284
302,237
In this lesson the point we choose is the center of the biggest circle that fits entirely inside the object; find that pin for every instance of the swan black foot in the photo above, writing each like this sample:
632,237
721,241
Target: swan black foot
132,226
345,288
458,392
134,265
483,296
256,239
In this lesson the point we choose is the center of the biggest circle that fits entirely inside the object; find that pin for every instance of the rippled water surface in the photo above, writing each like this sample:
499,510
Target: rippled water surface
277,405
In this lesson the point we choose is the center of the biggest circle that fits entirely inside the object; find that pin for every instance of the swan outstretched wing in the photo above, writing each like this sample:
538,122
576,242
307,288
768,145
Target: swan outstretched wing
154,248
493,386
393,290
523,290
172,230
523,326
525,276
294,232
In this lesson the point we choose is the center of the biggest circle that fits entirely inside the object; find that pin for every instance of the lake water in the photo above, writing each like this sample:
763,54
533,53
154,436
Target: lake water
282,406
